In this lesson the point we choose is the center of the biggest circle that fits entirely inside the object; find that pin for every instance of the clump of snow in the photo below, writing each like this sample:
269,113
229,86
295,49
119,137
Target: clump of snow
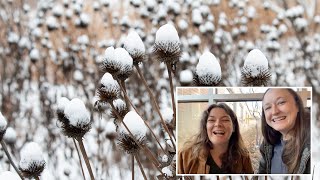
183,24
164,158
135,124
122,57
8,175
10,136
167,114
62,103
77,113
208,65
133,43
52,23
34,54
256,60
300,23
110,128
108,81
167,34
13,37
78,76
31,154
3,123
167,171
186,76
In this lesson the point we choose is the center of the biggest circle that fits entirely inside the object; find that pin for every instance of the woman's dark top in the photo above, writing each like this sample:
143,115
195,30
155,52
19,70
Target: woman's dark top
214,168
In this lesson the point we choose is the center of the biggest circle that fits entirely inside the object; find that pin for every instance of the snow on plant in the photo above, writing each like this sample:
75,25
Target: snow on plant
208,70
255,71
109,88
32,162
186,77
3,126
8,175
135,47
10,136
125,62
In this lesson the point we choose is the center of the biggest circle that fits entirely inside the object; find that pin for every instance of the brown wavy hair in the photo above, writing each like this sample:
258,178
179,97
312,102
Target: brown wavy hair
236,149
301,132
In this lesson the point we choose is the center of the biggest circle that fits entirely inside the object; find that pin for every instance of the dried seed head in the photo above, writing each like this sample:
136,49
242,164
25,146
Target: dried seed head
109,63
62,102
109,88
135,47
128,145
120,107
32,162
126,63
167,44
135,124
3,126
10,136
208,71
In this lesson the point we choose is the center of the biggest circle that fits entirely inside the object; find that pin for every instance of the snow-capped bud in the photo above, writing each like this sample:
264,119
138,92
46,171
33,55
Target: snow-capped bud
186,77
109,88
3,126
109,63
135,47
168,171
255,71
32,162
62,103
8,175
10,136
208,70
167,44
111,130
34,55
125,62
120,107
77,121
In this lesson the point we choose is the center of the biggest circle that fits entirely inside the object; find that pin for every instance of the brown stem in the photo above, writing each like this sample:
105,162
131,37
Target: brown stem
128,100
37,178
172,93
140,166
155,103
85,157
75,144
4,146
132,165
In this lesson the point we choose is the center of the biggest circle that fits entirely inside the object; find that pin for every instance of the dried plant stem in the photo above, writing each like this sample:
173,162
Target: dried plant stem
37,178
127,99
155,104
123,87
149,154
140,166
85,157
172,92
132,165
4,146
75,144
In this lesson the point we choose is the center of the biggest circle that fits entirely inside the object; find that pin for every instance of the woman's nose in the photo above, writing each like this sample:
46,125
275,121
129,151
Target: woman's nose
217,123
275,110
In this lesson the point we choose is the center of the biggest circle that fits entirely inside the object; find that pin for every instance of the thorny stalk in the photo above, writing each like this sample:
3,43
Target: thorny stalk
85,157
4,146
75,144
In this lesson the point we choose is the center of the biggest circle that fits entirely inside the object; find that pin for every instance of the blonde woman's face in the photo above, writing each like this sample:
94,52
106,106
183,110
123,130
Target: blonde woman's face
280,110
219,127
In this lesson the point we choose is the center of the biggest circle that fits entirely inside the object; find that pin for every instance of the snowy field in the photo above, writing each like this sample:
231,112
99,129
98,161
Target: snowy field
72,71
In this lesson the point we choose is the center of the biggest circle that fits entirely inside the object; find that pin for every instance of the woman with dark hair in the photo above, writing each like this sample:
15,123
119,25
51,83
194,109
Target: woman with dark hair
218,147
286,131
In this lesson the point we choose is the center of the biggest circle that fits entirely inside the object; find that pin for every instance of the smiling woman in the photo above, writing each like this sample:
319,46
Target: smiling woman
218,147
286,132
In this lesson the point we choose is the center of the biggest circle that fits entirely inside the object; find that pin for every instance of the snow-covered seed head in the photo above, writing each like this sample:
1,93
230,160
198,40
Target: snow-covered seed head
255,71
10,136
168,171
208,70
138,129
167,44
3,126
32,162
109,63
78,118
62,102
135,47
111,131
109,88
186,77
125,62
34,55
8,175
167,114
120,107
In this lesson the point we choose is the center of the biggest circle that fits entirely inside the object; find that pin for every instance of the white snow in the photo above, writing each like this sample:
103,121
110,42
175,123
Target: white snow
62,103
3,122
110,128
208,64
196,17
77,113
123,57
300,23
167,114
35,54
10,136
186,76
13,37
108,81
164,158
167,171
135,124
8,175
30,153
183,24
109,54
168,34
52,22
119,103
256,59
133,43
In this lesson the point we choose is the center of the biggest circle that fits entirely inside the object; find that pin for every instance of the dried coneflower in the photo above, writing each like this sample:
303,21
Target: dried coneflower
167,45
32,162
208,71
109,63
255,71
109,88
62,102
126,63
167,114
138,129
135,47
120,107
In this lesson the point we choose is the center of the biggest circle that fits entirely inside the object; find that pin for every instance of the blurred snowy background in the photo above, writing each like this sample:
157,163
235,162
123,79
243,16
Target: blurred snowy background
50,49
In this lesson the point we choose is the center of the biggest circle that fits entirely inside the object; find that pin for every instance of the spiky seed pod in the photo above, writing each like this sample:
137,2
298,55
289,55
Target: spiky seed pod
128,145
109,88
62,102
3,126
120,107
135,47
255,71
167,45
126,63
76,120
208,71
32,162
109,63
125,72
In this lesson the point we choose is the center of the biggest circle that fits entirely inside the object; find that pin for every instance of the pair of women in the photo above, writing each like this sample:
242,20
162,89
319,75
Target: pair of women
219,148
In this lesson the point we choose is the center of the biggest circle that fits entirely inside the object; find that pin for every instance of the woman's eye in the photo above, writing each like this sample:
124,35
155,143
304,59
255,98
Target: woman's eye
266,108
281,102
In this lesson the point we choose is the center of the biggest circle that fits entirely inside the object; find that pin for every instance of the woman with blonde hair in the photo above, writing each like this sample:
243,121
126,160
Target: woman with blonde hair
218,148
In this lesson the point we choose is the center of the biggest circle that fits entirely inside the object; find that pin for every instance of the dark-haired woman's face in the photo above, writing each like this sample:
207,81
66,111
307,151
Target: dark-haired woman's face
280,110
219,127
